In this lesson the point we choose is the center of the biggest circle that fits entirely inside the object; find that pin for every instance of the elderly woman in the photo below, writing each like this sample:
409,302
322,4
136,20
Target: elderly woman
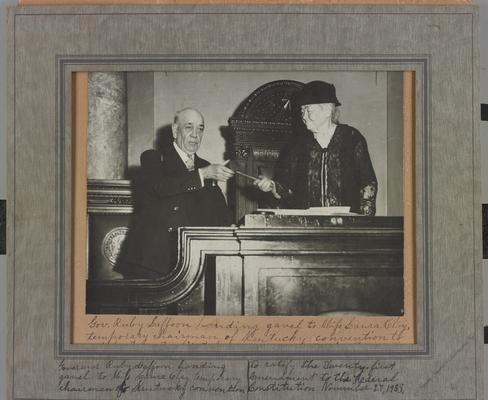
328,163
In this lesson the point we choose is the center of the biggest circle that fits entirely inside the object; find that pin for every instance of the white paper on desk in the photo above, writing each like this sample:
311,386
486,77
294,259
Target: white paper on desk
308,211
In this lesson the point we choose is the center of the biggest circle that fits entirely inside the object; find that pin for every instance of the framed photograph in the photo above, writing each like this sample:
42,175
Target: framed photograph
287,210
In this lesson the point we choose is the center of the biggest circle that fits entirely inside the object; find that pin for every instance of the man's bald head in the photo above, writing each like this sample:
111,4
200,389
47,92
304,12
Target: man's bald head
186,111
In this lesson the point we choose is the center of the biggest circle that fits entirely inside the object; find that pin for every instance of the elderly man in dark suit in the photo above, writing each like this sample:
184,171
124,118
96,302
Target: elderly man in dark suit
177,188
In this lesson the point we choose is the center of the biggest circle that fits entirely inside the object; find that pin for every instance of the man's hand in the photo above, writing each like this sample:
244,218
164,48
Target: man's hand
267,185
217,172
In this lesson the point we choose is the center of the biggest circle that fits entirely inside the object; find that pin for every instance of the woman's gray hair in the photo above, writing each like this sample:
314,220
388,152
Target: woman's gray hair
335,114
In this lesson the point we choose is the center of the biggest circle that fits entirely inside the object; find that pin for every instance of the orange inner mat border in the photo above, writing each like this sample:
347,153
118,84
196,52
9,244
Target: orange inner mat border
103,333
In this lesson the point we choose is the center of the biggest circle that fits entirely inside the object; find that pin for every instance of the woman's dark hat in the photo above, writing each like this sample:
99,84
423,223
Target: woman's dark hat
315,92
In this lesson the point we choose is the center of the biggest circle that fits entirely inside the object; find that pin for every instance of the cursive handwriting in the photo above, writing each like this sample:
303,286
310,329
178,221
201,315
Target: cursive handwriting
123,378
178,379
380,377
105,329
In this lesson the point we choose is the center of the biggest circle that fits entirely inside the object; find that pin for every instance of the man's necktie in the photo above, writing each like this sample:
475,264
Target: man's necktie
190,162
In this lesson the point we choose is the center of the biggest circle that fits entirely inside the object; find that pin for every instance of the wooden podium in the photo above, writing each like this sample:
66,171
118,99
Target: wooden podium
273,265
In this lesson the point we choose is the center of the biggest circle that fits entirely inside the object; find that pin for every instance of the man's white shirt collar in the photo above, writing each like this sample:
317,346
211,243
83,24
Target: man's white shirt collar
183,155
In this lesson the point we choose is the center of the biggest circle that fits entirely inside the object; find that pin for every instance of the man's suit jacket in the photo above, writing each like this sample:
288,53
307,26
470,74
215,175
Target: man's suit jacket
169,196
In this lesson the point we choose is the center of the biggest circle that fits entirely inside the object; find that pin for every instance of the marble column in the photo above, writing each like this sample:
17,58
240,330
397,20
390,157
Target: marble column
107,139
107,125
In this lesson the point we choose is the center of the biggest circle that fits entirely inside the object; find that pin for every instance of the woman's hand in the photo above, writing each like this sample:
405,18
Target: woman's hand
266,185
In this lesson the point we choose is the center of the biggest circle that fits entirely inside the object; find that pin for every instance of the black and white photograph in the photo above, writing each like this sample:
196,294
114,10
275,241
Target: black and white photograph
245,193
244,201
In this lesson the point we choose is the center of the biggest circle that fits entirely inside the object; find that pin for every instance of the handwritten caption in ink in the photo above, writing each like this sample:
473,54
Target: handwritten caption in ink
102,329
381,377
180,379
124,378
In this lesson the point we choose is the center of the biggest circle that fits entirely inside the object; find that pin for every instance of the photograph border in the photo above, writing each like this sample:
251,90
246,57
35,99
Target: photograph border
418,64
16,205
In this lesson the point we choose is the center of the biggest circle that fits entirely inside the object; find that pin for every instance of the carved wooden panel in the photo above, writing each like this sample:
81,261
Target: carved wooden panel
110,206
318,284
261,126
110,196
273,271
